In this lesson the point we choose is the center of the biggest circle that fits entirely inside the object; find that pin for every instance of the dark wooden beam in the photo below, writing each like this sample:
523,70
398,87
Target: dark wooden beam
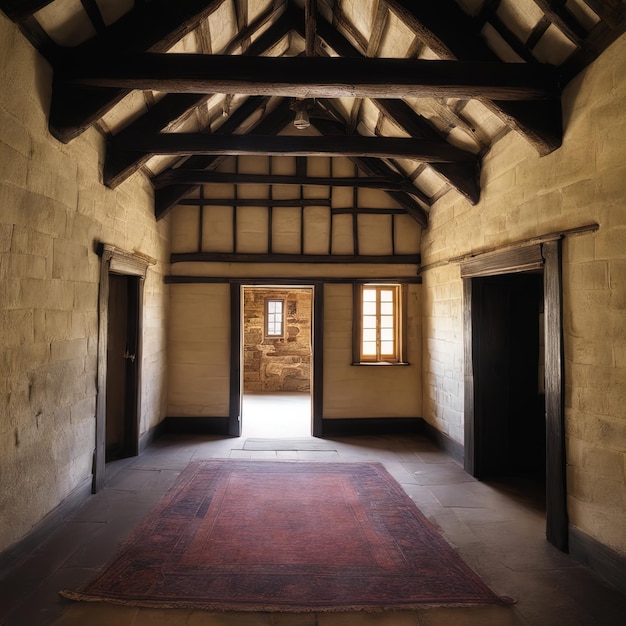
310,19
464,177
261,202
316,77
18,10
73,110
377,167
231,257
181,175
288,145
452,34
273,122
119,165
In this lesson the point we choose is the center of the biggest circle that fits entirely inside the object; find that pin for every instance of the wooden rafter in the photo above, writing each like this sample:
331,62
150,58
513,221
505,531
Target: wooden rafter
463,177
74,110
451,34
119,165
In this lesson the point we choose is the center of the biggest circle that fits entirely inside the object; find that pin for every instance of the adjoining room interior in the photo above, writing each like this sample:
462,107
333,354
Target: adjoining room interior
403,223
277,327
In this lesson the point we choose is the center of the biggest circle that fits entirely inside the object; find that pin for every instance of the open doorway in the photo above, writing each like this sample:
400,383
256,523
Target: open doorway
276,361
509,392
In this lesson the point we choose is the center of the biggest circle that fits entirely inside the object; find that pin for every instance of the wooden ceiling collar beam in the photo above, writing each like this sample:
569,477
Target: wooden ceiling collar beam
349,145
203,177
167,198
316,77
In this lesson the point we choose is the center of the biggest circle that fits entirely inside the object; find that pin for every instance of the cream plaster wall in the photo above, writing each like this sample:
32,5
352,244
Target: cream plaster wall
199,350
524,195
53,207
368,391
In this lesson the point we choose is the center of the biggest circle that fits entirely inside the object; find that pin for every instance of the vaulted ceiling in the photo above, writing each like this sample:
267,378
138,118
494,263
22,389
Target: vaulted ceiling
414,93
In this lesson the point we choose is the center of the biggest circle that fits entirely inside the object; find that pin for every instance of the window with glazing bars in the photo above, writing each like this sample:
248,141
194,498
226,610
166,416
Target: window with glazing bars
380,323
274,318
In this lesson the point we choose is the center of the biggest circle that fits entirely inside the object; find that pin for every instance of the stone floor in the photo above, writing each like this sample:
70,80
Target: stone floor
497,528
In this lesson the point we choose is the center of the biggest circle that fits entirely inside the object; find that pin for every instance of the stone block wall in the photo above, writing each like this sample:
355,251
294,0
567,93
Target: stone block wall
53,209
524,195
277,363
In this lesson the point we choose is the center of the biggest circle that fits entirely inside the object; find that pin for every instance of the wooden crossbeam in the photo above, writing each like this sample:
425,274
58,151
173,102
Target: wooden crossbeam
257,202
202,177
230,257
167,198
283,145
316,77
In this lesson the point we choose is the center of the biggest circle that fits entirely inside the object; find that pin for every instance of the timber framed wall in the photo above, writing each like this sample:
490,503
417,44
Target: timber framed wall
255,232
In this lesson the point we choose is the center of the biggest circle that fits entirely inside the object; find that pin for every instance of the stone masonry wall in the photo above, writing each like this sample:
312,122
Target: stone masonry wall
53,208
524,195
277,363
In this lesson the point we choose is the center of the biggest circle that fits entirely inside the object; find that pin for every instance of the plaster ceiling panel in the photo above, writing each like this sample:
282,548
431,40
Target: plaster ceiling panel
222,25
188,44
112,10
66,22
520,16
554,47
158,163
256,8
478,116
397,39
408,234
500,47
361,14
126,111
430,182
428,54
583,13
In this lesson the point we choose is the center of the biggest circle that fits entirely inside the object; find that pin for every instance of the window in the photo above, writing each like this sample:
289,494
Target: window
274,318
378,324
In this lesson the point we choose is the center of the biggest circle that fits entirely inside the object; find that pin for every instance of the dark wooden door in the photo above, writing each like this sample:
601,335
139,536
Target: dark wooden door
122,364
509,401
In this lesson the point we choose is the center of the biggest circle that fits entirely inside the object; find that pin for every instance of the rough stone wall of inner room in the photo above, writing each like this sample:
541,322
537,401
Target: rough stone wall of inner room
524,195
277,363
53,207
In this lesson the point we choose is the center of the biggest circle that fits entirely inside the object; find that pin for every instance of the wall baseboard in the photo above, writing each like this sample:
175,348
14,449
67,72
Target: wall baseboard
455,449
151,435
372,426
196,425
604,560
15,554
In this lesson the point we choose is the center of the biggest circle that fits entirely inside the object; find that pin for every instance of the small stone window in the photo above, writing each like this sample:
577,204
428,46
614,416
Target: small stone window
274,318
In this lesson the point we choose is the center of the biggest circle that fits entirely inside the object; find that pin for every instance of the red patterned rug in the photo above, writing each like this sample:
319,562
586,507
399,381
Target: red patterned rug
287,536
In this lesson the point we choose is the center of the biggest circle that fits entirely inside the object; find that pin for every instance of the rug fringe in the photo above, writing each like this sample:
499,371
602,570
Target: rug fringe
273,608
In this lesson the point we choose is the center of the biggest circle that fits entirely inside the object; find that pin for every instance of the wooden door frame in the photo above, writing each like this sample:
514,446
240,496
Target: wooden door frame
116,261
236,344
547,257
